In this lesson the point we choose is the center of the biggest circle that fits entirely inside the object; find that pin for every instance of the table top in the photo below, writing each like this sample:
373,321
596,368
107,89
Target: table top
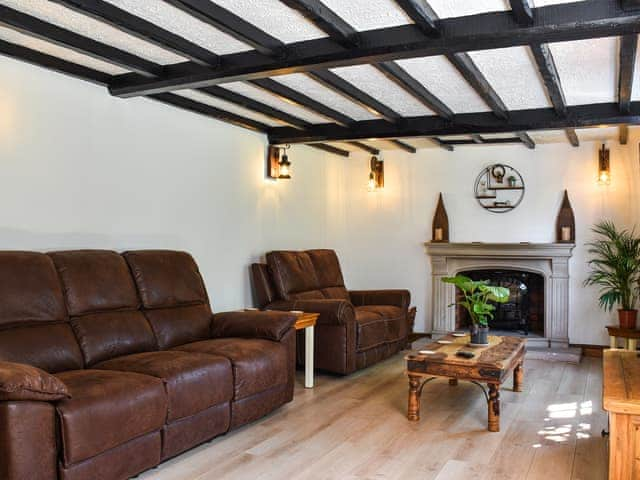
306,319
621,381
616,331
501,355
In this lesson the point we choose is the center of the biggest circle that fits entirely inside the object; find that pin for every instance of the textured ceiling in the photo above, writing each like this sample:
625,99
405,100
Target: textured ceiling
175,20
461,8
369,14
65,18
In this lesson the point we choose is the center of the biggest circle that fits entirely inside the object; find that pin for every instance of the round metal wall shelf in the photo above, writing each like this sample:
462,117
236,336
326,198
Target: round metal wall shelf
499,188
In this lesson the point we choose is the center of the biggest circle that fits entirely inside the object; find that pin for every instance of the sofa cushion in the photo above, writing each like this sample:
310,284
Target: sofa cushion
377,324
24,382
193,381
52,347
166,278
329,274
30,289
293,272
258,365
95,281
180,325
112,334
107,409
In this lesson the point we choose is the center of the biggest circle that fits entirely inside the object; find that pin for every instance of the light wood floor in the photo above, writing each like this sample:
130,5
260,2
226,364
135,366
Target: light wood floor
355,428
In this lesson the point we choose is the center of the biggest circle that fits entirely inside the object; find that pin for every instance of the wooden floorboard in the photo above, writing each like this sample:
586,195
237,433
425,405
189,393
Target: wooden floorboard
354,428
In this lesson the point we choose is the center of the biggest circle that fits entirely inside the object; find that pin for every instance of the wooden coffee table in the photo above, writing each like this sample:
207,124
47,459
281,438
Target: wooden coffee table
491,365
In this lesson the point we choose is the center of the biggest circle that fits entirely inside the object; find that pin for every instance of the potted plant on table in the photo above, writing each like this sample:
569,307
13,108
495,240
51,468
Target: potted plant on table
615,268
477,297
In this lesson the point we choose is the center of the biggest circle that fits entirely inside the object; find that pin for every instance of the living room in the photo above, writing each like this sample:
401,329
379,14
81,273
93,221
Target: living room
335,164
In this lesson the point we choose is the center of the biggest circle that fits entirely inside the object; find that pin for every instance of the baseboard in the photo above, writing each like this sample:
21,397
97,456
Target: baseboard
590,350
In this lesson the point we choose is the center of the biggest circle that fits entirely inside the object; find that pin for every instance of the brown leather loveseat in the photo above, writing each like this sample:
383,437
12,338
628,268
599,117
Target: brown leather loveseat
355,328
110,364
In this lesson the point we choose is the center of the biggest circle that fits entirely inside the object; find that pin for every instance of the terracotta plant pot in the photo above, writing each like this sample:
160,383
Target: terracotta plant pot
627,318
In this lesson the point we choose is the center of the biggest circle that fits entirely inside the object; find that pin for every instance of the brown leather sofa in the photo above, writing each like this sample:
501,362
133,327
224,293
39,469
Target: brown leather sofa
355,328
111,364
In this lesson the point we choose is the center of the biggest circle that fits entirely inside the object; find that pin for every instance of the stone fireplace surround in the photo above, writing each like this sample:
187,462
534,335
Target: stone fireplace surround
551,260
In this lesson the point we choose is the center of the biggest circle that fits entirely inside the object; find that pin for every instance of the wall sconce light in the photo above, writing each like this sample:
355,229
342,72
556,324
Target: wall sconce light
376,175
604,170
278,164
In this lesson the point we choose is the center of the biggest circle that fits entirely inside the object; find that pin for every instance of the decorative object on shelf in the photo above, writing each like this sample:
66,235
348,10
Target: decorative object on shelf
604,169
376,174
278,164
615,269
566,223
440,227
477,295
493,194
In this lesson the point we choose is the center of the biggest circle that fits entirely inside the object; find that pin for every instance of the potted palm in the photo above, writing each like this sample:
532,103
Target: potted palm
615,268
477,297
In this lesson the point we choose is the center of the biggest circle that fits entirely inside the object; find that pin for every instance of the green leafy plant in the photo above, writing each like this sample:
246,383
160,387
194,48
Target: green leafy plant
477,297
615,266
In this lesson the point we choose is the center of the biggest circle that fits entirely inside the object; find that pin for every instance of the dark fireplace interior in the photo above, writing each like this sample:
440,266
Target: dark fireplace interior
523,313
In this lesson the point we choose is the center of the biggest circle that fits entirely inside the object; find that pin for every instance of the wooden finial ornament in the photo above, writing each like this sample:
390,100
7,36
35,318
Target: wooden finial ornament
566,223
440,230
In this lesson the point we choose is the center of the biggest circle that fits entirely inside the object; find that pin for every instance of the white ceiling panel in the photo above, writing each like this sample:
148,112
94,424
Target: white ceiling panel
498,135
514,76
461,8
227,106
314,89
455,137
275,18
187,26
375,83
274,101
601,134
83,25
587,69
33,43
369,14
551,136
444,81
544,3
635,91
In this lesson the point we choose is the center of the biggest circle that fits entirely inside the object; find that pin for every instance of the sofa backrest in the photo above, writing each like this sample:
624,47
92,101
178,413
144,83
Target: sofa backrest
264,290
174,298
34,325
307,275
103,304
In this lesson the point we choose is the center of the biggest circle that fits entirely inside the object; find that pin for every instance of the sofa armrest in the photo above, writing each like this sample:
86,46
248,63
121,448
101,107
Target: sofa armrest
21,382
332,312
252,324
397,298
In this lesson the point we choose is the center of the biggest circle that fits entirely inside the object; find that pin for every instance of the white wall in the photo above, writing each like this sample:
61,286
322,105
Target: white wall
80,169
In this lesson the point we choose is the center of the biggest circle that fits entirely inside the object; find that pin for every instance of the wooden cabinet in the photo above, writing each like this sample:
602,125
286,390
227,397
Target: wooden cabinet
621,398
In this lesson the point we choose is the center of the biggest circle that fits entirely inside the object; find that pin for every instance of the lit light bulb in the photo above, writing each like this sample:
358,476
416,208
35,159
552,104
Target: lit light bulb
604,178
372,183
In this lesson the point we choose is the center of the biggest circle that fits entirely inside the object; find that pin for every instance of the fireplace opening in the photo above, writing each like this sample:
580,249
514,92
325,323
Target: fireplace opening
523,314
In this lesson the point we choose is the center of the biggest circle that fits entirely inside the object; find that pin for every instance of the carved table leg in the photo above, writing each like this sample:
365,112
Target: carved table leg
494,407
413,412
453,382
518,378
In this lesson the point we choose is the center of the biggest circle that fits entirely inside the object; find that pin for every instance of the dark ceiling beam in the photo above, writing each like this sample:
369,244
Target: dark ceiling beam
404,146
398,75
65,38
330,149
486,141
326,20
475,78
624,134
553,23
290,95
365,147
53,63
549,72
522,12
627,63
251,104
441,144
579,116
572,136
353,93
422,14
231,24
526,139
630,4
141,28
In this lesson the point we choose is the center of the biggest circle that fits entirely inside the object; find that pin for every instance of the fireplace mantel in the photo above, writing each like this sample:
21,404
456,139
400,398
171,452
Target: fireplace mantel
551,260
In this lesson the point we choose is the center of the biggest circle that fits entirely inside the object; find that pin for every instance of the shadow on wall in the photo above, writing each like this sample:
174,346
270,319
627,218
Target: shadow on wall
14,239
